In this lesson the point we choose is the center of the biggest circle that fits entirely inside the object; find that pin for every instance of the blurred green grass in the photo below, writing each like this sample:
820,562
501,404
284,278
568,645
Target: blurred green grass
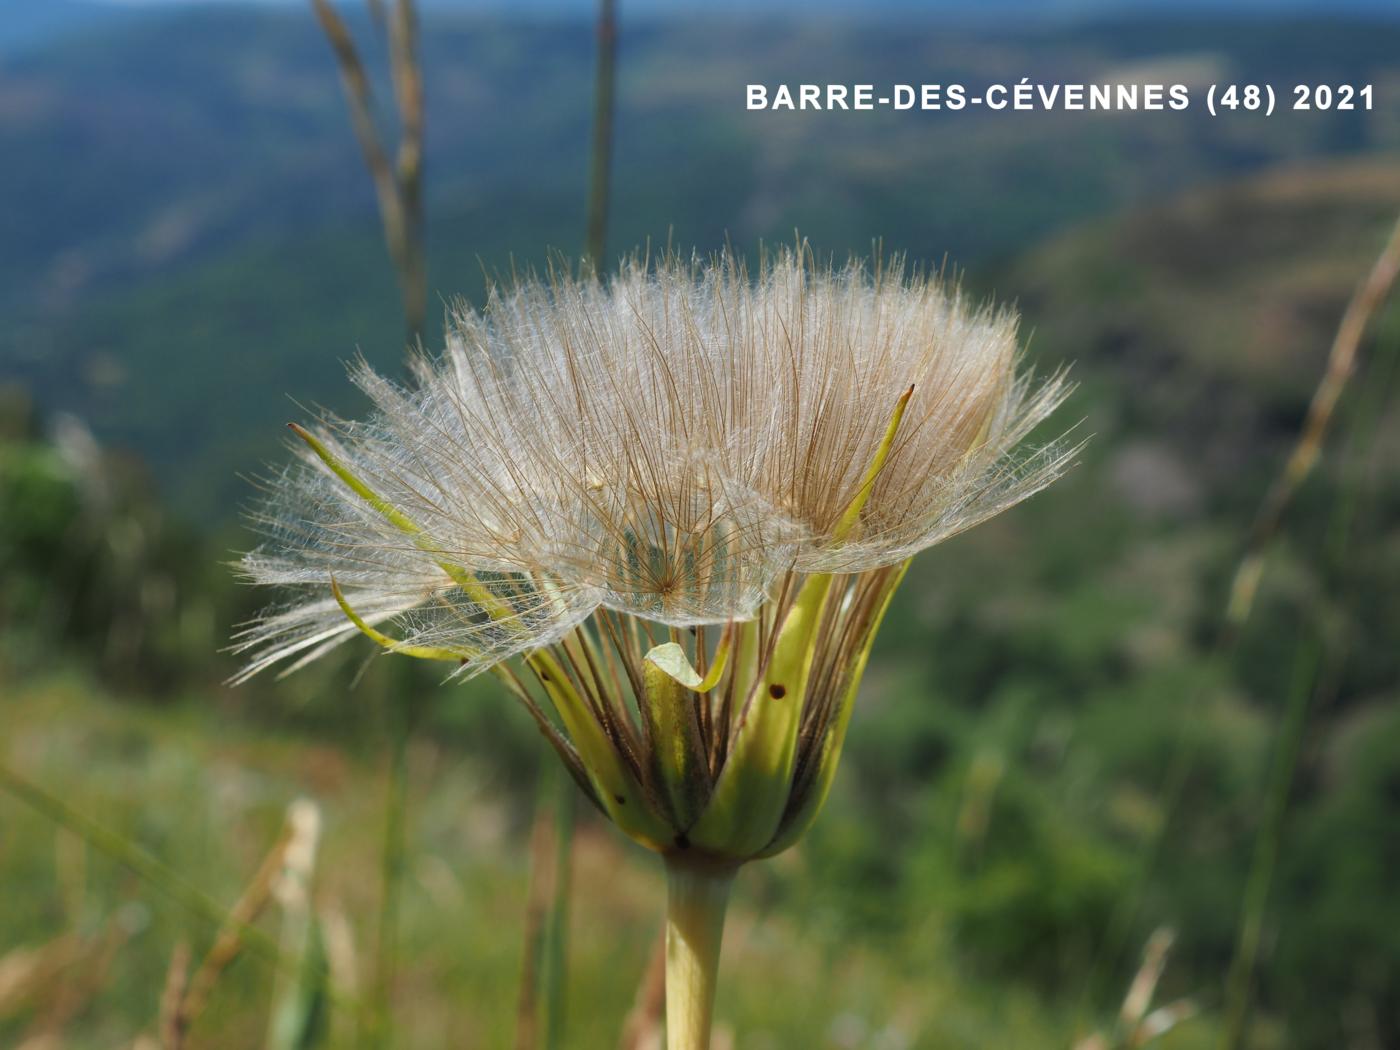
986,874
206,793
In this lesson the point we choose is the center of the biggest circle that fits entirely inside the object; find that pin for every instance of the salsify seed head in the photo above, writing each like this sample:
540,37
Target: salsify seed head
670,443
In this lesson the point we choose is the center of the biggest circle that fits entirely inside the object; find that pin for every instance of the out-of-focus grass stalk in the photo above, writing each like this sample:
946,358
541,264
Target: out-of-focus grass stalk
392,862
1368,297
544,970
337,941
540,1015
292,1024
408,93
226,946
642,1029
1183,755
537,895
599,193
600,166
70,866
78,987
1303,686
556,938
168,1026
131,856
398,186
285,876
1138,1022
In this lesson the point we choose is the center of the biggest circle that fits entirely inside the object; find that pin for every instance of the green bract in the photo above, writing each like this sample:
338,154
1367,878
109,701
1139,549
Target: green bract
713,764
669,513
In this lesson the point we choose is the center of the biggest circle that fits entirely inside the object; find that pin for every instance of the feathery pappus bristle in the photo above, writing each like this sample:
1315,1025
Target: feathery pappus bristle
667,443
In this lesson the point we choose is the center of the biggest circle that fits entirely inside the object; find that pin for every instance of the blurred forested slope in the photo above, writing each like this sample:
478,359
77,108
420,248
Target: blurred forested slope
1006,812
188,235
188,238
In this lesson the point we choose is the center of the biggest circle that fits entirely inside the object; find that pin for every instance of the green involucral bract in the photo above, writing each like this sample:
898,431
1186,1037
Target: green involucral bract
755,785
812,796
615,789
675,782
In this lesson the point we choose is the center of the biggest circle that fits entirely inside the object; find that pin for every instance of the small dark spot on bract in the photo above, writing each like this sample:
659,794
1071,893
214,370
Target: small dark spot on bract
620,800
682,842
544,677
776,691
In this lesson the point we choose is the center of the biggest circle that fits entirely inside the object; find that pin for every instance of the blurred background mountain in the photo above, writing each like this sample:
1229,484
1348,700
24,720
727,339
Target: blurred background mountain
188,220
1053,758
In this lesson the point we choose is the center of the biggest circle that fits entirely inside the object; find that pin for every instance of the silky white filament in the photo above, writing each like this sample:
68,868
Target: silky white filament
667,444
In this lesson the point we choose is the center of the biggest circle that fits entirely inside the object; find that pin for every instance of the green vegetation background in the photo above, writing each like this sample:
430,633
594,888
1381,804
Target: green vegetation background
1052,757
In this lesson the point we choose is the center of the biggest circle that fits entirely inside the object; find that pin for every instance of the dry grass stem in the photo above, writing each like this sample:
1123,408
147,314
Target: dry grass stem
540,894
169,1025
397,183
1138,1023
645,1023
1366,301
600,165
230,940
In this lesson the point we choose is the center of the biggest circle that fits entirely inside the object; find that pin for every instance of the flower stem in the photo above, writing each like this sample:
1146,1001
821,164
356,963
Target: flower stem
697,898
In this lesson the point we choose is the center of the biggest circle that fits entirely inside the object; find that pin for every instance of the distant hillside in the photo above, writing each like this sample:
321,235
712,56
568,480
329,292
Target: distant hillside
1215,310
1205,318
169,139
189,236
1200,328
1261,268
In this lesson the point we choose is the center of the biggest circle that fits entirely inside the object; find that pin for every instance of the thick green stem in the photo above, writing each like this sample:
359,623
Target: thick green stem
697,898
